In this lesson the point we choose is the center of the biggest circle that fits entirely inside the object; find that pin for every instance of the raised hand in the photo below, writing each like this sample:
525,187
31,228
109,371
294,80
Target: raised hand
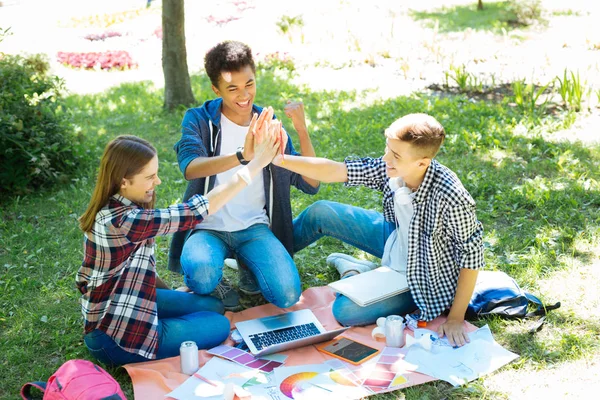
295,111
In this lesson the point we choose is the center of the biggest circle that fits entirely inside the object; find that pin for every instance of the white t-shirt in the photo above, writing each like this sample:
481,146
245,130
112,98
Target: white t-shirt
248,207
395,253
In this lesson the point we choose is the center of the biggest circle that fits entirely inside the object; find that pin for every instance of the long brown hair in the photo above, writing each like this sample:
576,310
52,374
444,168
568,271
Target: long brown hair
124,157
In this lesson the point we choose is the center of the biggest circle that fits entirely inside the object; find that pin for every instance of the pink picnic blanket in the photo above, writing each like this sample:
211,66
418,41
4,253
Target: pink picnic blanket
154,379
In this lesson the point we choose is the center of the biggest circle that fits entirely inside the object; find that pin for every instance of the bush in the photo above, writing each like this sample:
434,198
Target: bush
526,12
276,60
36,145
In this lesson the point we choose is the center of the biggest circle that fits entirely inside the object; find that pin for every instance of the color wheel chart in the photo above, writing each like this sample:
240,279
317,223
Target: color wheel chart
294,386
317,385
385,374
244,358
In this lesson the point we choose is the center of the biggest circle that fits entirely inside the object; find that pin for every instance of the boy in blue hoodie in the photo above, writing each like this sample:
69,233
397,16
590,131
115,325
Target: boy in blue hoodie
256,226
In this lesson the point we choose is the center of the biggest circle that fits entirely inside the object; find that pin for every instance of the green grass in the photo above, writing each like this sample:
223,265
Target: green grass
539,203
494,17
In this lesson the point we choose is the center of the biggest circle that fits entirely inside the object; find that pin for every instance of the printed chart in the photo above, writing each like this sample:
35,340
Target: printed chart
317,381
294,386
244,358
388,371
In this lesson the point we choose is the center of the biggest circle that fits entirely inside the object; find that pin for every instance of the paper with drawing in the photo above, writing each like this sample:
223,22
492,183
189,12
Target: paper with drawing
458,366
218,371
316,381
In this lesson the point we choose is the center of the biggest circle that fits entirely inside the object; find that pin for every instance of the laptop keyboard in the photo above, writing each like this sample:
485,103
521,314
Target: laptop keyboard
270,338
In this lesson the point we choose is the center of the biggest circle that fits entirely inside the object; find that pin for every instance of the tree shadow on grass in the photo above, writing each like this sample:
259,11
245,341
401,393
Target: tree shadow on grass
562,339
494,17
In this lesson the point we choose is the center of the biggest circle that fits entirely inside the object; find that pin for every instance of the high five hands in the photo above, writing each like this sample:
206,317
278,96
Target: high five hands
265,137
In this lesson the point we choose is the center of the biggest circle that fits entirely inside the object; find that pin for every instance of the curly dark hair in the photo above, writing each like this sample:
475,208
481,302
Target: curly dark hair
228,56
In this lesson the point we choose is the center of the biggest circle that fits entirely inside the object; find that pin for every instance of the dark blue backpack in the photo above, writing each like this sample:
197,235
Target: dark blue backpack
496,293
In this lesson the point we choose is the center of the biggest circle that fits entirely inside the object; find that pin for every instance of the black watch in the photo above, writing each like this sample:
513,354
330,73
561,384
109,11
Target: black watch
240,156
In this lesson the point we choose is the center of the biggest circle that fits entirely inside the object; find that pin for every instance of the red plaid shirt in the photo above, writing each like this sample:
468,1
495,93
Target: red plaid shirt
118,274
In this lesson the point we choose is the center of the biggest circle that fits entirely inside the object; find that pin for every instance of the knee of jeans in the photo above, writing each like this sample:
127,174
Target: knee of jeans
200,285
287,299
220,329
201,279
344,311
319,210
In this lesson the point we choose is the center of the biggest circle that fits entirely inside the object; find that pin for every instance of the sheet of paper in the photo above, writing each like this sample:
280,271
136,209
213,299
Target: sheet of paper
316,381
460,365
219,372
263,387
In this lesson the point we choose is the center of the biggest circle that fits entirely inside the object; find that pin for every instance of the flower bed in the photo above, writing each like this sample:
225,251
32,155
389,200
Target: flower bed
108,60
102,36
106,20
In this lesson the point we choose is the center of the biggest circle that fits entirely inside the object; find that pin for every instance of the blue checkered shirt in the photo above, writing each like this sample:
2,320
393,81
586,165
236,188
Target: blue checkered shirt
444,233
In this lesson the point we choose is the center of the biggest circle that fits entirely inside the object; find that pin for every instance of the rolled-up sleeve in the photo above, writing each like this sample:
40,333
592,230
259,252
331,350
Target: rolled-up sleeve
139,224
368,172
467,234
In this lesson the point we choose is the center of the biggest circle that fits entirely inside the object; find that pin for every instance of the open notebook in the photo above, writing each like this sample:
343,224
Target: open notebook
373,286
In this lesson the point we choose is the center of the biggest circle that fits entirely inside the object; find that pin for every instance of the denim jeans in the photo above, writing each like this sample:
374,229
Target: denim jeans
181,317
364,229
204,253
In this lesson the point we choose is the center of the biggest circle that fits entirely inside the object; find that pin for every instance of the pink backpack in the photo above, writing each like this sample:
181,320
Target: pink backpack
77,380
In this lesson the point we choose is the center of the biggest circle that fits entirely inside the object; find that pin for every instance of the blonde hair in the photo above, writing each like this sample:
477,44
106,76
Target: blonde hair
123,157
422,131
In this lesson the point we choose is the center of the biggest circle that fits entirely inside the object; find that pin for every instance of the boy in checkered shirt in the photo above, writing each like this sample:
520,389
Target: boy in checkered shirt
428,230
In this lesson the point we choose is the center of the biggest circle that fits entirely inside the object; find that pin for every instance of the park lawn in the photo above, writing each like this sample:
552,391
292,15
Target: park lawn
538,201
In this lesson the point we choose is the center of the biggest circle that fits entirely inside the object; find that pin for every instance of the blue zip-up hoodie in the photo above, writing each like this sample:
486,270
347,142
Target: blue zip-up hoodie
201,137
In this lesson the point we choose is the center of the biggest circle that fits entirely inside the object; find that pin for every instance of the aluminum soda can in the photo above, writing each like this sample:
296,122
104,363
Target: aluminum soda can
188,352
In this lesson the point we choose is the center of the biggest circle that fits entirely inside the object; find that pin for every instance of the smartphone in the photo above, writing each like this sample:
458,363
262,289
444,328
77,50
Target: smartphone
349,350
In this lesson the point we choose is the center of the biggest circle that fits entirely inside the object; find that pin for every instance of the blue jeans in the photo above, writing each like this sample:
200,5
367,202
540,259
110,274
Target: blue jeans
204,253
364,229
181,317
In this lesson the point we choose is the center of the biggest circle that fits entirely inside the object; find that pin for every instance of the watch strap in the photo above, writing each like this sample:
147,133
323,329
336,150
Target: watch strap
240,156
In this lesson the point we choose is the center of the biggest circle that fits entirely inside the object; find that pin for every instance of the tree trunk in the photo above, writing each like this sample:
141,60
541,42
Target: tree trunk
480,4
178,90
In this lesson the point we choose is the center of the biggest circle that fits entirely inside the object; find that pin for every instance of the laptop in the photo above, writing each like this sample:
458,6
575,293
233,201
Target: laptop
284,332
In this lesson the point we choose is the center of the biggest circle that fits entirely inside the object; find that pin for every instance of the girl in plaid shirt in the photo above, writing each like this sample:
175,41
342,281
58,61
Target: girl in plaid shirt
428,231
130,314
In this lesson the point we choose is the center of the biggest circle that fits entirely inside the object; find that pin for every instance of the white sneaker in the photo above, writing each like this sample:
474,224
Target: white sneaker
347,265
231,263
